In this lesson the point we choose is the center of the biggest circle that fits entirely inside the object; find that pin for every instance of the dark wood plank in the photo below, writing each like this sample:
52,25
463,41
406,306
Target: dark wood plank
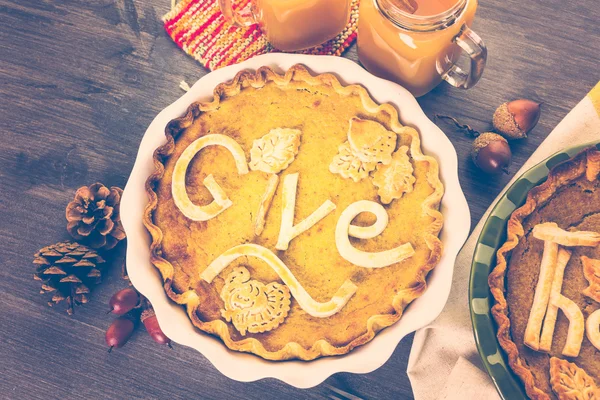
81,81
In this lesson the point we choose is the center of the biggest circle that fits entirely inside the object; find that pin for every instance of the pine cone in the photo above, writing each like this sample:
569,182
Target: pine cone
94,218
67,270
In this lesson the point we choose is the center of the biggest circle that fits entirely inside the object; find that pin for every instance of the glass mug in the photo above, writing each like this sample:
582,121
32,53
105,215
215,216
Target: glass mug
420,49
291,25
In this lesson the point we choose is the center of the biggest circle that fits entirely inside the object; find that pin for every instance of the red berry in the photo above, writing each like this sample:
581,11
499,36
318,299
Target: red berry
124,301
119,332
151,323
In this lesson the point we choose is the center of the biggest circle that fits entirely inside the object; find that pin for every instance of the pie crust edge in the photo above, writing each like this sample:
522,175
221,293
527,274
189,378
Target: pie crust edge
191,300
559,175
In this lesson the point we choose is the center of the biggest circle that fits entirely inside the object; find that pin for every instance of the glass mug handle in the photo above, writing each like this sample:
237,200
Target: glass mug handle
244,17
470,43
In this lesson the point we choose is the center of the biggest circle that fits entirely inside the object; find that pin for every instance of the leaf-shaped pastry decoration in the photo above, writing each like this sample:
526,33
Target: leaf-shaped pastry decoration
251,305
570,382
395,179
370,141
348,165
591,271
275,151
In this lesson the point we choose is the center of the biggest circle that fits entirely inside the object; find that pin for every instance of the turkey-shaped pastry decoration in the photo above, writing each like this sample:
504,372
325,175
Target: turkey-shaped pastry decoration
251,305
571,382
395,179
369,144
305,301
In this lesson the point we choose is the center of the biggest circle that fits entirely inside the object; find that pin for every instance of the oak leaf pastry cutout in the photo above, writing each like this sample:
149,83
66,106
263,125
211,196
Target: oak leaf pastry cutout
570,382
370,141
251,305
550,231
591,271
348,165
369,144
275,151
395,179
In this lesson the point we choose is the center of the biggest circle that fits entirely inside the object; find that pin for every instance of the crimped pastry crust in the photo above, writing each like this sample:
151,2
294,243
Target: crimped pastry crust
568,171
190,298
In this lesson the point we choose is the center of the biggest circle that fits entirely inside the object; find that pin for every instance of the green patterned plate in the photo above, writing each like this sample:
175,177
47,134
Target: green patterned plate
492,236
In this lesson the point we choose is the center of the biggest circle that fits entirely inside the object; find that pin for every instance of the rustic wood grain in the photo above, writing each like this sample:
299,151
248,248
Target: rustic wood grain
81,81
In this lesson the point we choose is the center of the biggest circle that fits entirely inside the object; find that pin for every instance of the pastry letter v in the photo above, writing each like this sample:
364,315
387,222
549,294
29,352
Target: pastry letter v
288,231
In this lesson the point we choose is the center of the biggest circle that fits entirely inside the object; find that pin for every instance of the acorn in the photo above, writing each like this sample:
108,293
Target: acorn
119,332
491,153
150,321
515,119
124,301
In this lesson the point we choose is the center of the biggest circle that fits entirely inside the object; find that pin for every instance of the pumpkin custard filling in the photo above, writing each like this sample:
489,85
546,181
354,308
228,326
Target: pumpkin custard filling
292,216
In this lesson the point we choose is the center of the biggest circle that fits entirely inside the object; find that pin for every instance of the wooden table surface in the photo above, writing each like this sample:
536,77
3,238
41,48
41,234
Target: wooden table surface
80,82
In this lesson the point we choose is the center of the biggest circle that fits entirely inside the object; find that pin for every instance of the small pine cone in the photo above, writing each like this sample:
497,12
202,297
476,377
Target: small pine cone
94,217
68,270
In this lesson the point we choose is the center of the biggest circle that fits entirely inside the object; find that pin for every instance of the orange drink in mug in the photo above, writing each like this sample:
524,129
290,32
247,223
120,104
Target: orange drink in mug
417,42
292,24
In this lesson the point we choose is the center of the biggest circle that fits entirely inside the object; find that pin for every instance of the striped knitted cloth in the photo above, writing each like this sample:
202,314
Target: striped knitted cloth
199,28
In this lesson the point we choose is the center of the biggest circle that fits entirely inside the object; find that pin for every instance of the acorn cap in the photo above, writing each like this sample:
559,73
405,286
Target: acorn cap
147,313
482,141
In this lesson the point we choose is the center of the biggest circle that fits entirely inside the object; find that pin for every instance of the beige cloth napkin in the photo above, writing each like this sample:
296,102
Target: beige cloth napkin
444,362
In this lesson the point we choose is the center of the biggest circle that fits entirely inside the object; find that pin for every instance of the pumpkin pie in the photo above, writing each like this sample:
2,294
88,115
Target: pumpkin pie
293,216
546,284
